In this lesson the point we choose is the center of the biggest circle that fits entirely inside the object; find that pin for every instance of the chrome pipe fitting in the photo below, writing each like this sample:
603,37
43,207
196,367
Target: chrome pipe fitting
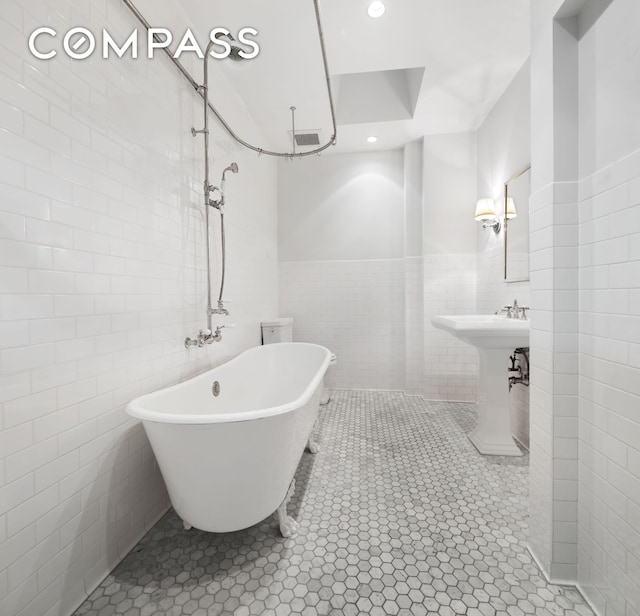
205,336
220,309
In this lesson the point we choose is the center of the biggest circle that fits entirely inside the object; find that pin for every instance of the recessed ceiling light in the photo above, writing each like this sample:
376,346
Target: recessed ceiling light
372,139
376,9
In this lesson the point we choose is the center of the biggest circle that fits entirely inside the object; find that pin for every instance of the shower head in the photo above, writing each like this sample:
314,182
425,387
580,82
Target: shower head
234,53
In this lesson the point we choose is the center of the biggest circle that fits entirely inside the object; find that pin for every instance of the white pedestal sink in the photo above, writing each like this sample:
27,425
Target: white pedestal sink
495,337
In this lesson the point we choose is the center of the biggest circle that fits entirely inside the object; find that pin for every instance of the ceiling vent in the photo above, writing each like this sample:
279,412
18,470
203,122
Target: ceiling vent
307,138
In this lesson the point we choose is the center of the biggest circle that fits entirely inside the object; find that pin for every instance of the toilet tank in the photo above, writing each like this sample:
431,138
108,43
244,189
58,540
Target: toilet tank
277,330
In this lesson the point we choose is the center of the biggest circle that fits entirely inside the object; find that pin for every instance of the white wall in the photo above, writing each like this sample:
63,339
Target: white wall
366,310
553,290
450,365
101,262
449,248
449,181
342,207
341,241
585,474
356,309
504,149
609,326
414,368
355,273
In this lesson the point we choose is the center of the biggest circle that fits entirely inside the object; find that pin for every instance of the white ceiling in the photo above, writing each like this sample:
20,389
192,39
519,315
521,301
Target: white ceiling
469,50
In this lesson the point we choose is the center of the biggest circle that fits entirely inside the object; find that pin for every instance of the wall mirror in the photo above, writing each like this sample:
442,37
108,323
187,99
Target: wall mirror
516,226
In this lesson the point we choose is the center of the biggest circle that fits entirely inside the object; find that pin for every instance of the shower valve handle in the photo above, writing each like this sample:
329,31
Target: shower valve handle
204,337
217,335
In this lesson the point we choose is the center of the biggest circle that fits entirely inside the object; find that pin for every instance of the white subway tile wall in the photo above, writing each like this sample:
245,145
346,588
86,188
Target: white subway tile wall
541,406
553,390
565,379
372,315
609,389
451,366
493,292
102,277
356,309
414,325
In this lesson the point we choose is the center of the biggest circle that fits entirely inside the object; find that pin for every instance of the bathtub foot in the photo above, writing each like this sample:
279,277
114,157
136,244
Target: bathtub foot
288,526
312,446
186,525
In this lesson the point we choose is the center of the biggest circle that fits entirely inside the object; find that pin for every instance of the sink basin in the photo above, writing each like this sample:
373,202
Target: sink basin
495,337
486,330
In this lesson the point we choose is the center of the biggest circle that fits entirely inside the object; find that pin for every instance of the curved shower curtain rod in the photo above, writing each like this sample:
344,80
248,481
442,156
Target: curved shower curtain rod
198,89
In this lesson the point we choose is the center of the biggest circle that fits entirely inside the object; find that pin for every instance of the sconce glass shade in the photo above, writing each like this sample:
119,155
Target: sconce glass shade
510,210
485,210
376,9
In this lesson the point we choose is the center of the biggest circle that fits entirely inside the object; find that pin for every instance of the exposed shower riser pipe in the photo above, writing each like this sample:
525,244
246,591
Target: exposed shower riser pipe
207,193
203,91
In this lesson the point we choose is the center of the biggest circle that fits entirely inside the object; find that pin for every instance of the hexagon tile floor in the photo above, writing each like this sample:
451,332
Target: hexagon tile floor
398,515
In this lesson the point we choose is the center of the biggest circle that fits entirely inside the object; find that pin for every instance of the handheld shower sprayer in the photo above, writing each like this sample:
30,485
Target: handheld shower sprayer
219,203
233,167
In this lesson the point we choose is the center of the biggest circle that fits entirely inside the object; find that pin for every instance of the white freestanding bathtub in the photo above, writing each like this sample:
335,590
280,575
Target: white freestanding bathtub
228,458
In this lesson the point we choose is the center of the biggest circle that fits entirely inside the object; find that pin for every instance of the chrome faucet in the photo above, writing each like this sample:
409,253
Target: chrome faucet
205,336
515,311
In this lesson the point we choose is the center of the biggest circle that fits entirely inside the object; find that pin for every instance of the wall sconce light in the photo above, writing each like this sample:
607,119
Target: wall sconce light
486,214
510,209
376,9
